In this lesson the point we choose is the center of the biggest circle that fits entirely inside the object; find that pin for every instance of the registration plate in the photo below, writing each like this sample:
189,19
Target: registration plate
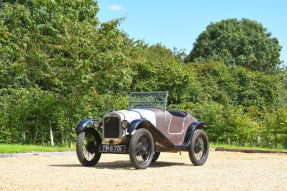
113,148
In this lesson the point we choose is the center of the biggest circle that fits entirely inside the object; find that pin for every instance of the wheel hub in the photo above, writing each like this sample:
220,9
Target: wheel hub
198,148
91,147
198,145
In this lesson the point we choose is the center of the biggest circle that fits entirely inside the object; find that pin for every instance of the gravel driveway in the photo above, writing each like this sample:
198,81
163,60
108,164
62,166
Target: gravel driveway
222,171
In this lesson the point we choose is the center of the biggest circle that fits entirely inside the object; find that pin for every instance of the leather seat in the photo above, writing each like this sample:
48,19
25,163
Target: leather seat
177,113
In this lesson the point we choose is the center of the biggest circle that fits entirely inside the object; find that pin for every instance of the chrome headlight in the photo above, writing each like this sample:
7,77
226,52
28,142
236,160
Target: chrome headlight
97,123
125,124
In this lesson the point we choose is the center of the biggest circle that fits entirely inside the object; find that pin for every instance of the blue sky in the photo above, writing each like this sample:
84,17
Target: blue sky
178,23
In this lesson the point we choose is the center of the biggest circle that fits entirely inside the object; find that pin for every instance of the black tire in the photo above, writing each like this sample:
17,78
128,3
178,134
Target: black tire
155,157
198,148
141,149
87,147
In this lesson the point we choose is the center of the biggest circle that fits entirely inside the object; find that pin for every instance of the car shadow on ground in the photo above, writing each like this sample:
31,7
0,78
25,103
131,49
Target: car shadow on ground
122,165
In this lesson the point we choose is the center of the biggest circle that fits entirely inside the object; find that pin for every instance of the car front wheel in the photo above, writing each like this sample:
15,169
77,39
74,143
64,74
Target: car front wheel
87,147
198,148
141,149
155,157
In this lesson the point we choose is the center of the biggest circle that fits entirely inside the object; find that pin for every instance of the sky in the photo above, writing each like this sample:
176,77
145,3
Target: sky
178,23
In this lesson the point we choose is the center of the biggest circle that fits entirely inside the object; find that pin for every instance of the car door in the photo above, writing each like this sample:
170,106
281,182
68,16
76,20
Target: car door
176,125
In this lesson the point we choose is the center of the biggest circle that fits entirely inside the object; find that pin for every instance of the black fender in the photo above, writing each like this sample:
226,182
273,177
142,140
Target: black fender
156,134
85,123
190,130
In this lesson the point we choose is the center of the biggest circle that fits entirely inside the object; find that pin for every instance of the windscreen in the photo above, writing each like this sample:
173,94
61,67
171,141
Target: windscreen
148,99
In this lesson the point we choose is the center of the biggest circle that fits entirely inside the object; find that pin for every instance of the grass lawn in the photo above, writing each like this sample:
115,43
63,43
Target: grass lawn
211,144
13,148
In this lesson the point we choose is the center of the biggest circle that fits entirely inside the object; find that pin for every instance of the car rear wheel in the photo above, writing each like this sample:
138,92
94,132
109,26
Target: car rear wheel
199,148
141,149
87,147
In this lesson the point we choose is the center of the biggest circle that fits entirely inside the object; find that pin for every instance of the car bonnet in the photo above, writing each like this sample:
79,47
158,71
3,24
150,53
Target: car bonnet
133,114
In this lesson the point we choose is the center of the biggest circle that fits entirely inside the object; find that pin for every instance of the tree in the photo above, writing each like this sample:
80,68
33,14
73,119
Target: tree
159,52
166,75
62,49
237,42
236,85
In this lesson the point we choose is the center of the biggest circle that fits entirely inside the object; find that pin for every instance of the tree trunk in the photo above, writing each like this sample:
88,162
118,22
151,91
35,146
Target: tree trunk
35,137
62,137
269,145
51,135
42,136
275,140
24,138
240,143
71,137
228,140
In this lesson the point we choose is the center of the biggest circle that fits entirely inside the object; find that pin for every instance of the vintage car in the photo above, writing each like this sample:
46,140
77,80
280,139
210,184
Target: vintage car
143,130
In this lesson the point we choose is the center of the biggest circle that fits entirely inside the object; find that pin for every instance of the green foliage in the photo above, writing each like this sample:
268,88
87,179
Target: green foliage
165,75
5,135
157,69
63,51
283,90
13,43
159,52
28,111
104,103
244,126
237,42
275,123
236,85
59,65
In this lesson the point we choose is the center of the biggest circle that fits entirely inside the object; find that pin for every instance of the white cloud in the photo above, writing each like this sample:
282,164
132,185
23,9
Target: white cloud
116,7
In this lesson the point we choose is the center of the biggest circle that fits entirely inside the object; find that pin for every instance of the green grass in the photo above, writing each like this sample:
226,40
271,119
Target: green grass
13,148
211,144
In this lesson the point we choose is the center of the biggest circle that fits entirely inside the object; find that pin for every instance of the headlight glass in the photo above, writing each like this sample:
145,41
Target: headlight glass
97,123
125,124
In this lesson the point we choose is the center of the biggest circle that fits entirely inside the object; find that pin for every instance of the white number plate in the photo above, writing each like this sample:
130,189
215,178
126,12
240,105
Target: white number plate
113,148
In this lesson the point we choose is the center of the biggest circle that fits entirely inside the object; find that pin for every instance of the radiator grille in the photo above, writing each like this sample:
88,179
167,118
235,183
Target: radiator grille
111,125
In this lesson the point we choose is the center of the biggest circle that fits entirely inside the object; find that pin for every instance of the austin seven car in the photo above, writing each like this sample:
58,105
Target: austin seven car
142,131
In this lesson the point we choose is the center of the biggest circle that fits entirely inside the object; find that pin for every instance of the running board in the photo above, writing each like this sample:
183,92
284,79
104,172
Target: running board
159,148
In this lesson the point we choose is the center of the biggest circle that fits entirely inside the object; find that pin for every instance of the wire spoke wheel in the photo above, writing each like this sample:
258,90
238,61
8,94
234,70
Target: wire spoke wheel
199,148
87,147
141,149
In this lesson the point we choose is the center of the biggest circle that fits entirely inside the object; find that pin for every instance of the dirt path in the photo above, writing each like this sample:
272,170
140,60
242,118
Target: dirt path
222,171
